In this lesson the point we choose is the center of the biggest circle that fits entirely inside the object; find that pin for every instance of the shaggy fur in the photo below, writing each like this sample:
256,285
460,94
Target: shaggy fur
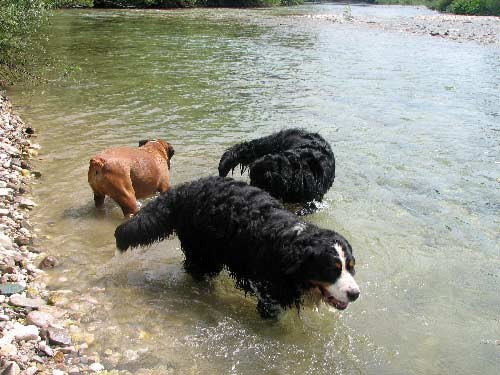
293,165
266,249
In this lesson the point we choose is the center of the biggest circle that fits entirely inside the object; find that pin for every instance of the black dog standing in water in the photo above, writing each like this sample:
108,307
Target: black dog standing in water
292,165
268,251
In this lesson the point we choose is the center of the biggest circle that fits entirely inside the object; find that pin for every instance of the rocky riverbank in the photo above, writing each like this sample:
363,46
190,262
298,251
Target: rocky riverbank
479,29
37,334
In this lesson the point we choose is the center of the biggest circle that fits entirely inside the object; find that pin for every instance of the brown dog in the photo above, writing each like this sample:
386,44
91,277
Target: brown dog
127,174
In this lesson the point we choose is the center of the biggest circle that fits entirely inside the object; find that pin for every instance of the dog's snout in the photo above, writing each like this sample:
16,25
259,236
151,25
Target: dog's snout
353,295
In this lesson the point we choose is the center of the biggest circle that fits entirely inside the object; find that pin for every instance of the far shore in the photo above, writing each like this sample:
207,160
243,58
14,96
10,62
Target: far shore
479,29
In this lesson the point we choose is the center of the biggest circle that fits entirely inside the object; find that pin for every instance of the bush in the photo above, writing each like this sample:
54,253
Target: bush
18,20
193,3
465,7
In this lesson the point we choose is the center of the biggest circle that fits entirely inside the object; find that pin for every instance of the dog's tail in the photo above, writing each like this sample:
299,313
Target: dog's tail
153,223
245,153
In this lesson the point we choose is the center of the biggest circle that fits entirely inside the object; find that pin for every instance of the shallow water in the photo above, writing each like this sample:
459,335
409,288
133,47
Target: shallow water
414,124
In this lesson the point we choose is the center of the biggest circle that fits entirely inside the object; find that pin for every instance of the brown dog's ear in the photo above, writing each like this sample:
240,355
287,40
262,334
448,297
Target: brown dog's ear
143,142
170,150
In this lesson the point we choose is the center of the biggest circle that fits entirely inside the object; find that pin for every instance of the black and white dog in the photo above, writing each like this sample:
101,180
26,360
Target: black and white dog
223,223
292,165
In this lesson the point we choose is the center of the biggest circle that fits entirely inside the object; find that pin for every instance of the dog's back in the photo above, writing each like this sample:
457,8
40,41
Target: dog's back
126,174
293,165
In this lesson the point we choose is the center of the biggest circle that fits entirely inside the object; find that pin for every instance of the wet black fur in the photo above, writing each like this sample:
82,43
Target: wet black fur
292,165
226,223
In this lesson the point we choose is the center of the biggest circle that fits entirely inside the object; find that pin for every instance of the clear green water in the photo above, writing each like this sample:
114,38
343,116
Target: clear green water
414,124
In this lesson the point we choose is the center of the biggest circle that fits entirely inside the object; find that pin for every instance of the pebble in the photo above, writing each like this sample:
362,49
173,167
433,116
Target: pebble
4,192
9,149
59,336
25,202
96,367
19,300
8,350
9,289
11,368
48,262
40,319
25,333
42,346
30,370
5,242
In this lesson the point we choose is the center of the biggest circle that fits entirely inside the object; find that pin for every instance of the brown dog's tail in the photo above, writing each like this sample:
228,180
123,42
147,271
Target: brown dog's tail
96,167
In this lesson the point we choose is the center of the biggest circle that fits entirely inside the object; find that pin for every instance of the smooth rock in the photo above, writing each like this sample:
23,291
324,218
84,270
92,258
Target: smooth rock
4,211
59,336
26,203
40,319
18,300
9,149
96,367
25,333
30,370
48,262
22,241
11,368
58,372
5,242
42,346
4,192
8,350
8,289
4,318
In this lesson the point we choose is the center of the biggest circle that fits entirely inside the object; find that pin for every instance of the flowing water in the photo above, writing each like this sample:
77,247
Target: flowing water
414,124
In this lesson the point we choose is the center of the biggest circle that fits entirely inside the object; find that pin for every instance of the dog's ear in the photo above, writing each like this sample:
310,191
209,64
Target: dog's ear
170,150
143,142
294,261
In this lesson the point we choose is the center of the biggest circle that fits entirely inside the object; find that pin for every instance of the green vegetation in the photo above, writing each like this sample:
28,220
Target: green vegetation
19,19
472,7
192,3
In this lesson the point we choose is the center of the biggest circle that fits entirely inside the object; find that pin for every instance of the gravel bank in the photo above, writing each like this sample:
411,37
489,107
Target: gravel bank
479,29
37,334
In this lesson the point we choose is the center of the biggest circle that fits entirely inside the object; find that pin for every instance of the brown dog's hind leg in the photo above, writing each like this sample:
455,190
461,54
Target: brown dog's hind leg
126,200
99,201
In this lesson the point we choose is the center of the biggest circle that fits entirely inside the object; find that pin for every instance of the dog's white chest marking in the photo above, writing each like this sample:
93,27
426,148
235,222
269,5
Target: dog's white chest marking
299,228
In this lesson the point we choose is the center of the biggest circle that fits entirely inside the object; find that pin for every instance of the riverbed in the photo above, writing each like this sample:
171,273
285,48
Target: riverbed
414,124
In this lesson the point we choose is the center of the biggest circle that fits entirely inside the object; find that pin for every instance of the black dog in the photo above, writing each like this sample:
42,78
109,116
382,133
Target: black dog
266,249
292,165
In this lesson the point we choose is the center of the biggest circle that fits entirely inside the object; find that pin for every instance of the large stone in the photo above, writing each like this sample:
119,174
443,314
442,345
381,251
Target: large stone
40,319
20,301
8,350
4,192
25,333
11,368
48,262
25,202
42,346
5,241
96,367
9,148
9,289
59,336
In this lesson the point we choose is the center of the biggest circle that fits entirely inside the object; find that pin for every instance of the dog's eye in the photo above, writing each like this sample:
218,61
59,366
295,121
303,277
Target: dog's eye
338,265
351,263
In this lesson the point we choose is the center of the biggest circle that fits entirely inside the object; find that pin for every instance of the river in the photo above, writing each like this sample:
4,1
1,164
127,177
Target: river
414,124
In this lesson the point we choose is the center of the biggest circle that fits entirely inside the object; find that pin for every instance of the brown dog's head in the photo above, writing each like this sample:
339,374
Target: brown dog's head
164,145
